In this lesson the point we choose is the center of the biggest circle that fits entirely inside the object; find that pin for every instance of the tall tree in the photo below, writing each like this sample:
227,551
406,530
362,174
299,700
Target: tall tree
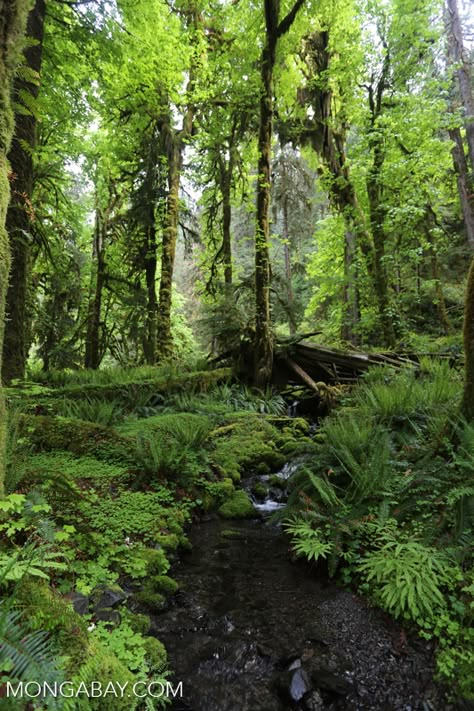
21,212
263,346
13,15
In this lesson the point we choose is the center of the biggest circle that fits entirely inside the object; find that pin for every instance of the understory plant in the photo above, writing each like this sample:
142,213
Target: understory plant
387,502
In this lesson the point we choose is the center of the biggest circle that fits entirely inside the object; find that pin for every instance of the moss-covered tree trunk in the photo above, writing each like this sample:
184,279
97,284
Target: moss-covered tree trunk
350,306
468,395
92,355
150,278
461,60
168,251
263,336
263,344
226,185
377,208
13,14
20,212
288,271
466,196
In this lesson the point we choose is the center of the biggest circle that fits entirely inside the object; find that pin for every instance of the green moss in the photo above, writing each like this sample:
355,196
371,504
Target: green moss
245,444
154,601
160,425
164,584
81,438
231,533
48,611
156,653
238,506
139,622
156,561
168,541
80,468
103,666
259,490
277,482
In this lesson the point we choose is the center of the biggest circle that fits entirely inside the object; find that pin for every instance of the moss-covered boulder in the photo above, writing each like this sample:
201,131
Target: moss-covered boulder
46,434
237,506
155,653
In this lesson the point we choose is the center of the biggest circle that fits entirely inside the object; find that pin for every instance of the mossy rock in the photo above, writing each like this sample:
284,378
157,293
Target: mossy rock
168,541
81,438
156,653
231,534
156,561
54,614
277,482
237,506
103,666
163,584
153,601
243,445
139,622
259,490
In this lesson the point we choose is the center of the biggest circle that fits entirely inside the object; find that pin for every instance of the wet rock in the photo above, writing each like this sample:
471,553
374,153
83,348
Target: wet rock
313,702
300,685
107,596
324,678
109,616
80,603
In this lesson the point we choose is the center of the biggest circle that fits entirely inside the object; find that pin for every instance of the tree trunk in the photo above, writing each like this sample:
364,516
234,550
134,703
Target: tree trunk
377,209
168,251
226,183
263,346
468,395
288,274
263,335
460,57
436,272
20,212
466,197
93,350
150,277
13,15
350,308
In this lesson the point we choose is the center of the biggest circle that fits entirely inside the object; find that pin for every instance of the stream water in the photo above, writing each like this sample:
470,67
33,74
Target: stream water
252,630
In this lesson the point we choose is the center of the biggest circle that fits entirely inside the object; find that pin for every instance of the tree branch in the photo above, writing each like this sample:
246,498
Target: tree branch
287,21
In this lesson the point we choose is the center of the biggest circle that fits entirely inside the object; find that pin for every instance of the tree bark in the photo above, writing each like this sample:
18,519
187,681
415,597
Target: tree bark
288,272
20,213
168,250
226,185
263,346
468,333
150,278
93,350
13,16
466,197
460,58
351,306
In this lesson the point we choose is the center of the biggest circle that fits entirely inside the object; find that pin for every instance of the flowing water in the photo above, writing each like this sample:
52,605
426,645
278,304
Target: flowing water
253,630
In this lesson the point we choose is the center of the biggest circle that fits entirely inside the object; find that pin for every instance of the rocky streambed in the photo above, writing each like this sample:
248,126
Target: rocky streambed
250,630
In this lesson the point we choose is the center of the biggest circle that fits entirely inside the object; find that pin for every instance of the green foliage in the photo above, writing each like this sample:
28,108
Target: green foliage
92,409
386,500
410,577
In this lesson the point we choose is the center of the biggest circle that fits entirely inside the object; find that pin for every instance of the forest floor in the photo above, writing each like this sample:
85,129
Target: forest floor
107,472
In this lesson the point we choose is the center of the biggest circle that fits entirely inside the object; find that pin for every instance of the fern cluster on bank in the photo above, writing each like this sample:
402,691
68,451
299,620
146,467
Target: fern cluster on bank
388,502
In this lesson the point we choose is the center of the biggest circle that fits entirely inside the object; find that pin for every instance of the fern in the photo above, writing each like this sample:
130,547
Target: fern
410,577
308,541
28,656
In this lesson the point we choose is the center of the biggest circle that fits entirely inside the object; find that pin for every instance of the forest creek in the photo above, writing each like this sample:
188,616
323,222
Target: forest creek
236,355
